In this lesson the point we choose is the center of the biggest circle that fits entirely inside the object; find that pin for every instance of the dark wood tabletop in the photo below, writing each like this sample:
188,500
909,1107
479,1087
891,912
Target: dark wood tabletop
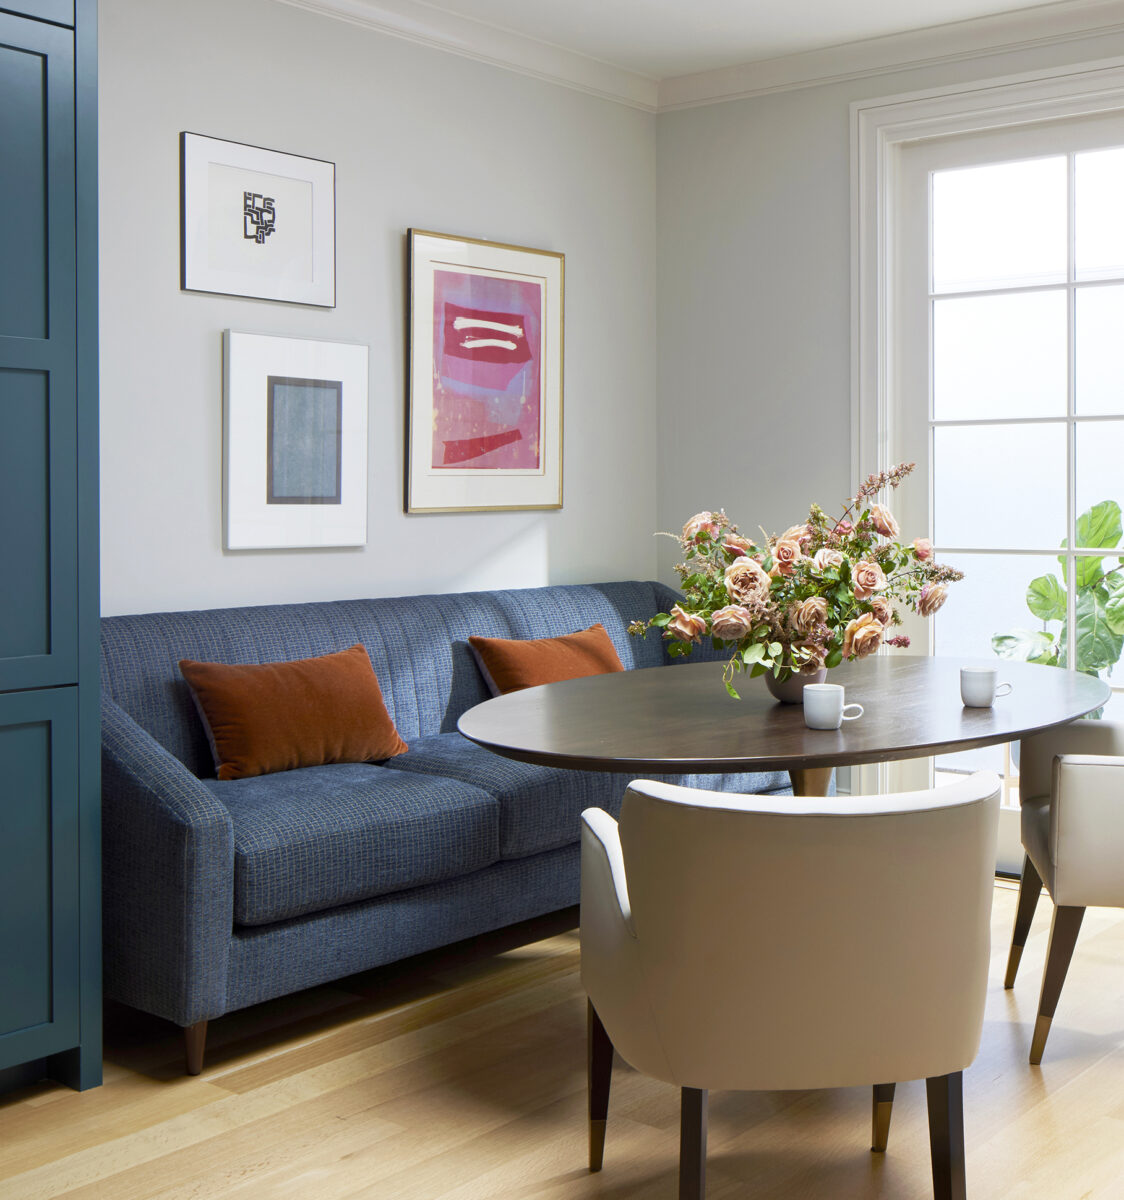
680,719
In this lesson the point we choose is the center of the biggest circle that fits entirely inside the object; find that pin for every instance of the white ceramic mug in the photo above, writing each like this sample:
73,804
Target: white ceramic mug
979,686
824,707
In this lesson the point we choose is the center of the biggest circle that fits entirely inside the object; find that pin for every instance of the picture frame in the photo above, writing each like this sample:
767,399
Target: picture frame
256,223
485,378
294,442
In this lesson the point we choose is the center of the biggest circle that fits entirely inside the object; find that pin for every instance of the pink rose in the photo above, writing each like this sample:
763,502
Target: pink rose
685,626
882,609
785,554
884,521
809,613
930,598
807,657
797,533
703,522
736,544
745,580
862,636
844,528
923,548
825,558
867,578
731,623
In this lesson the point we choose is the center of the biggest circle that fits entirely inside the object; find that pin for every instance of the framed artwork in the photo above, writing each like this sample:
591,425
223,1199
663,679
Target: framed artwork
484,412
294,442
256,222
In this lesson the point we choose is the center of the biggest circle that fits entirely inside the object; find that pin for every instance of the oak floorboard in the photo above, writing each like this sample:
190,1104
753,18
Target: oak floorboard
460,1076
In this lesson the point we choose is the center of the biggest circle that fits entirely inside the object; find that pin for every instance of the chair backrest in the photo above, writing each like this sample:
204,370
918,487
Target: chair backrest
807,942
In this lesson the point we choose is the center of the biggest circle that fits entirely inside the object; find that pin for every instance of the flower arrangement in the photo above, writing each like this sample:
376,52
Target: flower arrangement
806,600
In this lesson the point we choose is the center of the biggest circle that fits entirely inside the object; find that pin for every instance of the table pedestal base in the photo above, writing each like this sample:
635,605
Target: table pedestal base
811,781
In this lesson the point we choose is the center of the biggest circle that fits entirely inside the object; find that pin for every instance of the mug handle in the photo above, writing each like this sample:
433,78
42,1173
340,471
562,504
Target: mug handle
854,716
1000,692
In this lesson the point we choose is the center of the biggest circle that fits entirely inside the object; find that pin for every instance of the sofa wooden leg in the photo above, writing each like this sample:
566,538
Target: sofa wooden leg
692,1144
1029,890
600,1065
194,1042
1063,938
945,1094
882,1110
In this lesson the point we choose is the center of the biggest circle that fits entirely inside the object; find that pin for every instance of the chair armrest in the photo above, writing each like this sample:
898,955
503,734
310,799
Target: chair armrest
603,868
1037,753
1087,829
168,878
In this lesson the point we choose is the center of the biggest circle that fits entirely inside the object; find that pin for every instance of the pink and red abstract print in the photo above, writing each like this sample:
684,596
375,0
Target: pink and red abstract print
487,366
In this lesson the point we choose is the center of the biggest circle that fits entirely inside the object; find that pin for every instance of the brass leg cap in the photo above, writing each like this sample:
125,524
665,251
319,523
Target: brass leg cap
1038,1042
596,1144
1013,960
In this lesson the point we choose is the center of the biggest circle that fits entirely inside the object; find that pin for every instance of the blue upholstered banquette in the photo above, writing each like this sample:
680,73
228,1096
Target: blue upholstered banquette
219,895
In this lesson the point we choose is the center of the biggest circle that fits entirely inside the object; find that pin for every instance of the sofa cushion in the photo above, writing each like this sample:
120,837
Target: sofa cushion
266,717
540,807
512,664
319,837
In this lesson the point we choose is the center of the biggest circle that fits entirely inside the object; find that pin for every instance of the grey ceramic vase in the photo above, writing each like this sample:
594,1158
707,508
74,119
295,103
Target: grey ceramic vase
790,688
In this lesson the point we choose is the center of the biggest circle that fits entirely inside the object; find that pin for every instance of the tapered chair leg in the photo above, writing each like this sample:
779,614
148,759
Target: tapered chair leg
882,1109
194,1043
600,1071
945,1094
1029,891
1063,937
692,1144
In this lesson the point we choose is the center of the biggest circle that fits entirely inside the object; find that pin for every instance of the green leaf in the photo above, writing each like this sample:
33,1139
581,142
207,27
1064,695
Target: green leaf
1089,572
1114,611
1026,645
834,658
1045,597
759,669
1097,646
775,649
731,690
1099,528
753,654
660,620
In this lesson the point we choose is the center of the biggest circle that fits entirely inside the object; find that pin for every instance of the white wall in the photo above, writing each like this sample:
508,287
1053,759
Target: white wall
754,318
398,120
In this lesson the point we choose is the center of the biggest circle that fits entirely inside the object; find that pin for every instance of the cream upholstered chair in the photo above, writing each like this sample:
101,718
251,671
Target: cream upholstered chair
1071,788
762,943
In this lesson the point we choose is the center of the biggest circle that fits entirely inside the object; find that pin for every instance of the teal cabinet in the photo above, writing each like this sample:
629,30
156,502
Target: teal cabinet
50,981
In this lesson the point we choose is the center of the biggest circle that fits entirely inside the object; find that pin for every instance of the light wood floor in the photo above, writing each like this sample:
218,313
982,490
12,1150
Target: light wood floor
462,1077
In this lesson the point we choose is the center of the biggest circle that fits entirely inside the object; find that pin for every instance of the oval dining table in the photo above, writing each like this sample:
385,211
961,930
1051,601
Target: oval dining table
679,719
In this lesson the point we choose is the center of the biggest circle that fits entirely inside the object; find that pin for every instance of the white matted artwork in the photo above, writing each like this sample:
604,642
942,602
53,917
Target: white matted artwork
256,223
294,442
485,391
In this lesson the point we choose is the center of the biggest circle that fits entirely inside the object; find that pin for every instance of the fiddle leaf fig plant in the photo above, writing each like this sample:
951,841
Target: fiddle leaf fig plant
1098,608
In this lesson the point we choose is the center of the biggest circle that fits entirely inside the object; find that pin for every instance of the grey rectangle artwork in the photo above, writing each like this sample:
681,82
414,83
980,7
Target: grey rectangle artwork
304,441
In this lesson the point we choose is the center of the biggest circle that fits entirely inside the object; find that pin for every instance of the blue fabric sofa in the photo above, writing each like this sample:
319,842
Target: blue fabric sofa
220,895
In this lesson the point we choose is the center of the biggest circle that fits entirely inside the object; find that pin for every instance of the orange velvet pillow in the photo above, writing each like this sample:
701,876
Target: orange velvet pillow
509,665
268,717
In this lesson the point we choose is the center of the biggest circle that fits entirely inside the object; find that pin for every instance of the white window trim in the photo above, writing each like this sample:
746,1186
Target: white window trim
880,127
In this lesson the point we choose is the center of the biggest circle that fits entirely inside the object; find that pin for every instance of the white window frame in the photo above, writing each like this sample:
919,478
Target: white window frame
880,128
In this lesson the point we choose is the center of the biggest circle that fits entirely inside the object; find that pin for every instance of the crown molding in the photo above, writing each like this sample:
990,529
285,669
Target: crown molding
957,42
433,27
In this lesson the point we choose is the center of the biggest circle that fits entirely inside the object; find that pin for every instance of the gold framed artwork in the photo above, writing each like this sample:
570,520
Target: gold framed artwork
484,405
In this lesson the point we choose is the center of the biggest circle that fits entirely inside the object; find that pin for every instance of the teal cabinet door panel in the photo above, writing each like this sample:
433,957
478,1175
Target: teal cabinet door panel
38,374
39,874
59,11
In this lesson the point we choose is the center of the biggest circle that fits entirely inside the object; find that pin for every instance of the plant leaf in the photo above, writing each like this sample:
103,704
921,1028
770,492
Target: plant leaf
1045,597
731,690
1097,646
1026,645
1099,527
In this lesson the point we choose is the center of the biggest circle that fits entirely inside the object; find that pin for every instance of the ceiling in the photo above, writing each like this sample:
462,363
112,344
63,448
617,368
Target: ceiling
664,54
661,39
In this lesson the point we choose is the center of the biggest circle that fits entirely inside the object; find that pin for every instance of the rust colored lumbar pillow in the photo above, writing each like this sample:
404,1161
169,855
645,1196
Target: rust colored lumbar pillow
509,665
268,717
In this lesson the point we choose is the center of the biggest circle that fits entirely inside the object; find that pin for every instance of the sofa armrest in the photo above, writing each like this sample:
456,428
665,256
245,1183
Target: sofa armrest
168,878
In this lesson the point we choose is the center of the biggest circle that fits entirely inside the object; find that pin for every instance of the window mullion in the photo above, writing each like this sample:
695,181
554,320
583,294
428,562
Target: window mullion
1071,411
